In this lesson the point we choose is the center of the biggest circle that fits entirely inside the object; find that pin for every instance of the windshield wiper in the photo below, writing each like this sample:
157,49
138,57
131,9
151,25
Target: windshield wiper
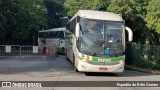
106,41
102,43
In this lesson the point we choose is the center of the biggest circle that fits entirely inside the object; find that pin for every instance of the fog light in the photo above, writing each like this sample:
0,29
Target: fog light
83,66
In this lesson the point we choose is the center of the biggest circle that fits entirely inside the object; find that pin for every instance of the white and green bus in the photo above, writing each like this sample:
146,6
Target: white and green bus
55,36
96,41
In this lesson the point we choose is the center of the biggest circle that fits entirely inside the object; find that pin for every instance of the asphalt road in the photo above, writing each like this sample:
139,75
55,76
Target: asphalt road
59,69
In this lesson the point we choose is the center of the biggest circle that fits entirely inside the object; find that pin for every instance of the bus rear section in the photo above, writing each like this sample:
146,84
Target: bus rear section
53,37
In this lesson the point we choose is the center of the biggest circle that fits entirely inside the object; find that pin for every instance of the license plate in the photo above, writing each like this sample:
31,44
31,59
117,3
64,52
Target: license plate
102,68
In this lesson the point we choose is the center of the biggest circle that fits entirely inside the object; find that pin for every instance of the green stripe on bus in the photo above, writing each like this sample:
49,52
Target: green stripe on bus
117,59
96,59
59,50
108,59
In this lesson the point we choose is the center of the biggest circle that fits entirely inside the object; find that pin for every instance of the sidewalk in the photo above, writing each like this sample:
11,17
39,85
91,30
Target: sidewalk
147,70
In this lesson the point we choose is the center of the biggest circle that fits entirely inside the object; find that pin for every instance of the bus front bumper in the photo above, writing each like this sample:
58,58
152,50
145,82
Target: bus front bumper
86,67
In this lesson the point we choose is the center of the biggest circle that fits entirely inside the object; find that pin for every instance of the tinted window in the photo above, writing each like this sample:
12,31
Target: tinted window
57,34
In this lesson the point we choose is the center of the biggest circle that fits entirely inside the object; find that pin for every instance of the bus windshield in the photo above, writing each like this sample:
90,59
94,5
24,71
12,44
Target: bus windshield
97,36
52,34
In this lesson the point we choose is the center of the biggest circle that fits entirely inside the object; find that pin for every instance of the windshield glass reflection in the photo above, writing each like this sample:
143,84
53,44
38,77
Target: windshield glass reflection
96,36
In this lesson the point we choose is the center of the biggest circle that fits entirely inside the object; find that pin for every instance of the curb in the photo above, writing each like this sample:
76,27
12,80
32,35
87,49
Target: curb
146,70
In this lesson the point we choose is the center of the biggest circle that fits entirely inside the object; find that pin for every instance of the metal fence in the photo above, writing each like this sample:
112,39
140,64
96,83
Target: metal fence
25,51
146,56
10,51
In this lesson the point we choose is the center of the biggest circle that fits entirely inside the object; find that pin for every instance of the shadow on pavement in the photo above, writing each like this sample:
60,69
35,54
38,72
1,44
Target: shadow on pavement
100,74
11,66
60,64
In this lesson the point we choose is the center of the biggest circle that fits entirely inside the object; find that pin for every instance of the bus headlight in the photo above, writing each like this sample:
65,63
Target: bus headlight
121,61
82,59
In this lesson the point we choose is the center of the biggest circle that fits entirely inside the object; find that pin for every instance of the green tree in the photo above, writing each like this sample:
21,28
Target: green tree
133,12
55,13
74,5
19,18
153,16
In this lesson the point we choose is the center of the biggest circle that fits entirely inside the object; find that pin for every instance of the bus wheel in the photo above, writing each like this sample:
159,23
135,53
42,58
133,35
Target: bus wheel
74,63
63,51
76,70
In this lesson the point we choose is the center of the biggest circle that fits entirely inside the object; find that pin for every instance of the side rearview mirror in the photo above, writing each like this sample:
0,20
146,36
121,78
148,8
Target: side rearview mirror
77,30
130,34
67,31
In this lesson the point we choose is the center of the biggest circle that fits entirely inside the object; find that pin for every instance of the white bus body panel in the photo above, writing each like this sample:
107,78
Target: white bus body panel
53,41
86,67
99,15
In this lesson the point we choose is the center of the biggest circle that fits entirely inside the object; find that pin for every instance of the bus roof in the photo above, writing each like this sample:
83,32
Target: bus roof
54,29
100,15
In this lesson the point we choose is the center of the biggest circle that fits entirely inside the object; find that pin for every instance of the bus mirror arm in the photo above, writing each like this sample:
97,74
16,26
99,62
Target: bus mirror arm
130,34
77,30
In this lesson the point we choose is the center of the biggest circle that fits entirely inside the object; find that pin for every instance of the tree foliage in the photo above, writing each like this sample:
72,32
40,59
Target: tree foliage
74,5
133,12
153,15
21,19
55,13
